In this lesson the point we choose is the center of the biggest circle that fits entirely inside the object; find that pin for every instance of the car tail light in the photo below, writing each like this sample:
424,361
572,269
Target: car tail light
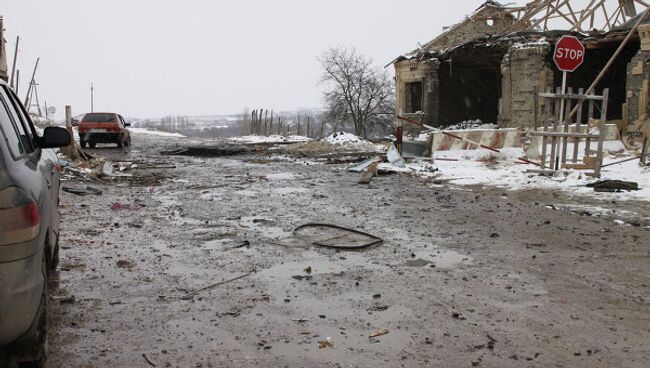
19,223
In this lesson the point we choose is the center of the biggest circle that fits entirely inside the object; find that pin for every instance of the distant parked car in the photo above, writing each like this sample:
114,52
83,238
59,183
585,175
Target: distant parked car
29,229
104,127
77,119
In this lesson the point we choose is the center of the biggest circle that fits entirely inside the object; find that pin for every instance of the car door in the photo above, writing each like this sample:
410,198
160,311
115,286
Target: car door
42,164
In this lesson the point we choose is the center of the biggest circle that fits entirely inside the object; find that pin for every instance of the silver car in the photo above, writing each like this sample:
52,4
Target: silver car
29,229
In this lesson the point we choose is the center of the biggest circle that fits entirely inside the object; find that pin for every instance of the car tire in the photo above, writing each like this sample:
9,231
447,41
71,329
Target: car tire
54,263
82,143
92,144
36,356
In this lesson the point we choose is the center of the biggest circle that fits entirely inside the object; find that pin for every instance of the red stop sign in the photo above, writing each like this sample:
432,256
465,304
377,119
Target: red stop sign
569,53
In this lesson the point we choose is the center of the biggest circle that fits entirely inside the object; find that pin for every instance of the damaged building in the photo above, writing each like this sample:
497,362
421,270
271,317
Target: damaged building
489,66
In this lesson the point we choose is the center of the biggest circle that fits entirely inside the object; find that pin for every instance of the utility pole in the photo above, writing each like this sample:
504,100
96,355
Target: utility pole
31,82
13,68
92,98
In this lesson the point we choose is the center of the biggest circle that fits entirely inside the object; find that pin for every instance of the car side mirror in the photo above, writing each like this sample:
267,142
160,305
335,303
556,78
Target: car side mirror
127,124
54,137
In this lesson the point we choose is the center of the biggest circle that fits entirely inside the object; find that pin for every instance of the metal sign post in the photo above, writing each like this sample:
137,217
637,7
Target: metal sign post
568,56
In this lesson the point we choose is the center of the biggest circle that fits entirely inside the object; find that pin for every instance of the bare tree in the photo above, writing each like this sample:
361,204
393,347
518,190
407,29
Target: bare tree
357,89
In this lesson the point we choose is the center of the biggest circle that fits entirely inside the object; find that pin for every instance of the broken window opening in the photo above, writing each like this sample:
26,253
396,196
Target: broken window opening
413,97
615,79
472,91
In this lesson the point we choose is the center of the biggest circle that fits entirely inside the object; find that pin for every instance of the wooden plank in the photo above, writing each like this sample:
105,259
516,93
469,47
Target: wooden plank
588,141
369,173
601,126
565,135
556,123
572,96
566,121
576,141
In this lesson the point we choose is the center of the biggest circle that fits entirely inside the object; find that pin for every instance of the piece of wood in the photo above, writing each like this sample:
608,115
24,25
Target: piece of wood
219,284
565,135
589,117
556,123
576,141
369,173
601,140
567,122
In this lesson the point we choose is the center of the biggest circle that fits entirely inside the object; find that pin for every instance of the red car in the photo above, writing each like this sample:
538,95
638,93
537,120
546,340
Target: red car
104,127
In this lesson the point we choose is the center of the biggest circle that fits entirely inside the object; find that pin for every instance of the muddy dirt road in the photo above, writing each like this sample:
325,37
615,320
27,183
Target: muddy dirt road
465,277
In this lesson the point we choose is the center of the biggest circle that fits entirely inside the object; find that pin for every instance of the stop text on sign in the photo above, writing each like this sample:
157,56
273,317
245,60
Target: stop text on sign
569,53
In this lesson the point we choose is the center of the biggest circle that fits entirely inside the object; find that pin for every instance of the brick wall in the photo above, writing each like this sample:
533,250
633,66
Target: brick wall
523,69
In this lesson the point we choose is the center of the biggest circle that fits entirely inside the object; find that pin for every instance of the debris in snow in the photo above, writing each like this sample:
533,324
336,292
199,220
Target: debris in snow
343,138
369,173
259,139
378,333
363,164
82,191
613,186
116,206
327,343
471,125
394,157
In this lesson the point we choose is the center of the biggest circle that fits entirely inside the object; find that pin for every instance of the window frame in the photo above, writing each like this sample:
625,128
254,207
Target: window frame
14,155
25,114
20,115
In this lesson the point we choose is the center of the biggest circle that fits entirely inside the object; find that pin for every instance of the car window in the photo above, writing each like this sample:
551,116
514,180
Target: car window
122,121
23,113
9,131
19,121
98,117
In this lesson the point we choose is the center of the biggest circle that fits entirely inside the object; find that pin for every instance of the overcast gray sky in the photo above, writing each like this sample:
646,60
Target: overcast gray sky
151,58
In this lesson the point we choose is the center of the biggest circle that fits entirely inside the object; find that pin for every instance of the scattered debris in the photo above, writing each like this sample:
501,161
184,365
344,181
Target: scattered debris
66,299
363,164
327,343
211,151
148,361
191,294
342,238
123,263
613,186
378,333
116,206
237,245
369,173
107,169
394,157
82,191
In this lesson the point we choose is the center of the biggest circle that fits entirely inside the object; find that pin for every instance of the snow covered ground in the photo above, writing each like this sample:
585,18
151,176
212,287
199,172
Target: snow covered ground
155,132
258,139
502,171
